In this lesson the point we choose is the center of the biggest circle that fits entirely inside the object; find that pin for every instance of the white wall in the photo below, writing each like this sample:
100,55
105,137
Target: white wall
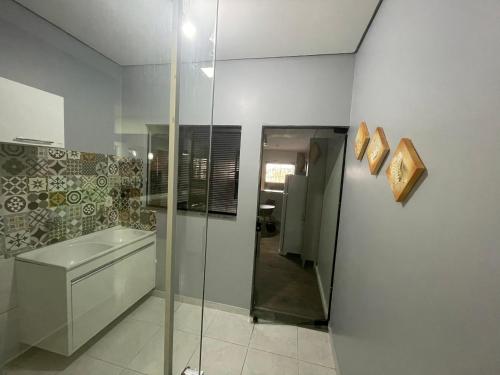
285,91
37,54
417,285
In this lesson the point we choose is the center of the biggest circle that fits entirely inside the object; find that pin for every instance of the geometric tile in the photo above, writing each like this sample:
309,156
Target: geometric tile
102,182
15,204
56,167
136,182
89,209
59,212
124,167
74,197
16,241
113,168
73,155
2,226
14,185
88,167
101,168
12,166
39,217
73,228
56,154
37,184
37,167
135,167
57,183
57,198
114,181
42,153
124,217
57,230
38,200
74,182
15,223
101,158
73,167
16,150
74,212
112,216
88,156
88,182
88,224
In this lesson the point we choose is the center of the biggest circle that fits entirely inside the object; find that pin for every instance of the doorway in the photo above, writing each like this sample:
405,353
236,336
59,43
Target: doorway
300,188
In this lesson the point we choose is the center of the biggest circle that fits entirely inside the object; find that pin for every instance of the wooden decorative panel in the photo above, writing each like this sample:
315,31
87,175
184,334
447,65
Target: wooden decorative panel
404,169
361,141
377,150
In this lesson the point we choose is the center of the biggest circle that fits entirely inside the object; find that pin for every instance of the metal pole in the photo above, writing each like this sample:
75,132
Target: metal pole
173,145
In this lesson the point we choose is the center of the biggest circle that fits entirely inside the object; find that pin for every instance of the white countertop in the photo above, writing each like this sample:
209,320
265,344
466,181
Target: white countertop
73,253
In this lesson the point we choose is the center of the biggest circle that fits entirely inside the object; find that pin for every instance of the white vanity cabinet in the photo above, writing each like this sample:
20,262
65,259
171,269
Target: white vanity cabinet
66,299
30,116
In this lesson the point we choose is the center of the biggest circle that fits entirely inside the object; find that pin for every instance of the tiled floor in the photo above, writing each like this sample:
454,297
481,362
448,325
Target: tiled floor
231,346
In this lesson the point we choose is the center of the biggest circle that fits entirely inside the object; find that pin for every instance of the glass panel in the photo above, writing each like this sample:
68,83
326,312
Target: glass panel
84,112
195,101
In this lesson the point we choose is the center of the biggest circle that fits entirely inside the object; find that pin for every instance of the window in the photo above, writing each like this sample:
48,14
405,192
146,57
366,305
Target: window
276,172
194,148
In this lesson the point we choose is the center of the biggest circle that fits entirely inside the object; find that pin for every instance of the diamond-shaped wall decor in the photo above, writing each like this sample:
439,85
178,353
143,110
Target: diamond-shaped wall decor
404,169
361,141
377,150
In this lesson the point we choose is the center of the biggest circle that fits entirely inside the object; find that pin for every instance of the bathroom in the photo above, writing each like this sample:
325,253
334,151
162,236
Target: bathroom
114,112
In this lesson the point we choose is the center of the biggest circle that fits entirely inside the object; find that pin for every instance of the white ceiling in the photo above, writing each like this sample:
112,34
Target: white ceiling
136,32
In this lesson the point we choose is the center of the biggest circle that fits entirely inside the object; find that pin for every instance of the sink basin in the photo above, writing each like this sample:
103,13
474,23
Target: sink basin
67,255
121,235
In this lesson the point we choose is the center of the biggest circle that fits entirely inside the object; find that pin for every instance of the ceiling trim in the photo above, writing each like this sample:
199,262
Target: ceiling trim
368,26
67,33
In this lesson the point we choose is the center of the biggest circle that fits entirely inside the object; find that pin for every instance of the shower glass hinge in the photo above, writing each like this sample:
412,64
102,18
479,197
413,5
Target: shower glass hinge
190,371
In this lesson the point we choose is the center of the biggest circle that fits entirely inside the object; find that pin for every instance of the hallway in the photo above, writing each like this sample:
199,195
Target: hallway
283,285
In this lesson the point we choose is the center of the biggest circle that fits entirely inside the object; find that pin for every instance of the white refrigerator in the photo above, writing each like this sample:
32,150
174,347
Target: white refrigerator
293,214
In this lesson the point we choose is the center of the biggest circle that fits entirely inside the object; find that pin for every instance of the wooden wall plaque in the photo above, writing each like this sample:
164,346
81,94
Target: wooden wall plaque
404,169
377,150
361,141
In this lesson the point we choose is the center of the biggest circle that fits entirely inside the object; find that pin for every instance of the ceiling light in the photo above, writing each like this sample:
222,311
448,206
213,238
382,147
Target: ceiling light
150,156
209,72
188,29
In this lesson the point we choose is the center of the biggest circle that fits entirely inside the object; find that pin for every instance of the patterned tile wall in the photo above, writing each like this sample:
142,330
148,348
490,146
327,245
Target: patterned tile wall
49,195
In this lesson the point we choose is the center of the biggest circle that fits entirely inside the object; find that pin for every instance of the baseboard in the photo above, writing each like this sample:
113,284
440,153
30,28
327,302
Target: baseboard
209,304
321,291
334,352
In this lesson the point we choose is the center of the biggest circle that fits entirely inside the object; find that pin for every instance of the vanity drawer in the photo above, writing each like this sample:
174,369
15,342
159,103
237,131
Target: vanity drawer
102,295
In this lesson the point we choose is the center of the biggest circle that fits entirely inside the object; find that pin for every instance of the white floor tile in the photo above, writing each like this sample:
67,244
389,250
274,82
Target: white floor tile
219,357
37,362
151,310
275,338
310,369
314,347
87,365
263,363
123,342
129,372
185,344
230,327
150,359
188,318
